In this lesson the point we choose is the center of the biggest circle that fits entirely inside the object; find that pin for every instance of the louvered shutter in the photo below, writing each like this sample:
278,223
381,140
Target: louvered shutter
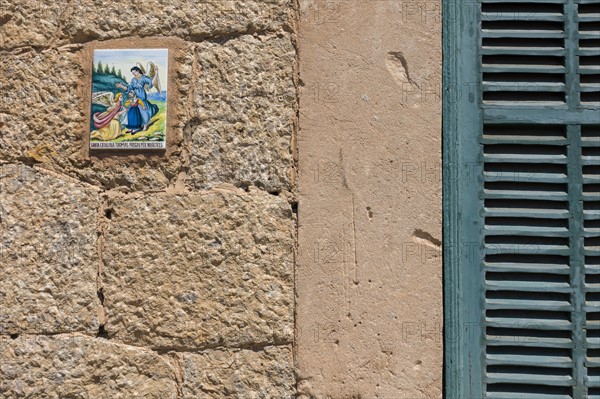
521,215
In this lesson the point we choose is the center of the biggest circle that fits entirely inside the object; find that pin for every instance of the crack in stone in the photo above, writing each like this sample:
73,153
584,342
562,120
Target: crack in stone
104,216
222,38
201,348
176,360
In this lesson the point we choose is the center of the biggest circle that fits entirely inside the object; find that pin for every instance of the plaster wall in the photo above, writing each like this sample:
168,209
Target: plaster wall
369,270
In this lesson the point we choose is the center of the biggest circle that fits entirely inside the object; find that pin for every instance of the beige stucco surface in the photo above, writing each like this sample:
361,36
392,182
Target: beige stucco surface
368,276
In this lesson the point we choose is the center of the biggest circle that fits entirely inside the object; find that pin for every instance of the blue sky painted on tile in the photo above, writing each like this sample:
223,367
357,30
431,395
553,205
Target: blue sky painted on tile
124,59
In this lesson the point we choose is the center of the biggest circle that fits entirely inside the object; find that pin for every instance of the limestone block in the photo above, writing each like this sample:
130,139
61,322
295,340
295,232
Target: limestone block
40,110
242,153
245,95
29,22
243,374
36,23
81,367
42,120
246,66
49,255
200,270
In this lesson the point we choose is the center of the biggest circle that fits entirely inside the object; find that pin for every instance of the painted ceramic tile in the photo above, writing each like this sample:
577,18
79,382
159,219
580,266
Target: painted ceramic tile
129,99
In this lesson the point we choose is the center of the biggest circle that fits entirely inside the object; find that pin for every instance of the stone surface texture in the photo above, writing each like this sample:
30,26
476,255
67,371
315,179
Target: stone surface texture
369,271
246,100
244,374
48,253
37,23
232,106
79,367
149,274
201,270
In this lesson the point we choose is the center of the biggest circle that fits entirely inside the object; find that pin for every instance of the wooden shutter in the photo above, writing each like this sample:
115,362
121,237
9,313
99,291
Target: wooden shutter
522,199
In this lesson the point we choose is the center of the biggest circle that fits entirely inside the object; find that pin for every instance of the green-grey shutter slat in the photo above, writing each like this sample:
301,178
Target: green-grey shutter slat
537,358
548,305
533,177
535,343
590,17
530,213
528,267
522,194
527,231
530,395
523,378
517,158
590,87
542,2
524,140
588,52
527,114
521,16
589,70
530,202
538,324
523,87
507,50
516,33
525,286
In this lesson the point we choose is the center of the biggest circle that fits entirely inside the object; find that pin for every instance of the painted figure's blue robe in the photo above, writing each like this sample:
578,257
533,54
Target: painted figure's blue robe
134,117
137,86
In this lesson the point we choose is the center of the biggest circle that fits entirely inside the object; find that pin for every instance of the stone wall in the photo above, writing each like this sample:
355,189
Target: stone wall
137,275
286,244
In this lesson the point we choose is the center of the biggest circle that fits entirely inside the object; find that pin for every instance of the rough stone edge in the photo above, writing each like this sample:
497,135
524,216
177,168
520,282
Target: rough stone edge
294,197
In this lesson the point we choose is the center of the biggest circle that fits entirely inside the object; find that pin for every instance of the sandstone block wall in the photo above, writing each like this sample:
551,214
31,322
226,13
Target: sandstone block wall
133,275
178,274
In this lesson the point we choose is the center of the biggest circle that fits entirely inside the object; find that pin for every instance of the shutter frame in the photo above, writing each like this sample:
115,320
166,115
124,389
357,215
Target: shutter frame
464,117
462,310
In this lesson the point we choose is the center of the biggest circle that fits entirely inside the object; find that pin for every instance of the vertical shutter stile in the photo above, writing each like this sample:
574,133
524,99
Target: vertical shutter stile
577,261
588,35
575,203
